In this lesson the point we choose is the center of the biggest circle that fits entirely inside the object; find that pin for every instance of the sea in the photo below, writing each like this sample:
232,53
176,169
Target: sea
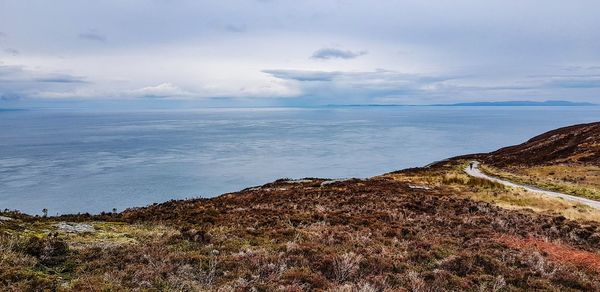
78,161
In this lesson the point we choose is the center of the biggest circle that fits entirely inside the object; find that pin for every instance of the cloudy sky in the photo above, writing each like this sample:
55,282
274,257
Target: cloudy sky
312,52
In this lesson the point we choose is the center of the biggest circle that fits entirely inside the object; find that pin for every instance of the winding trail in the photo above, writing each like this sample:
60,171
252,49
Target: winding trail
475,172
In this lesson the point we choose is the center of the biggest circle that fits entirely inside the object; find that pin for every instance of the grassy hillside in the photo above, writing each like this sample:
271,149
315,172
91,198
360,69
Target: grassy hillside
565,160
578,144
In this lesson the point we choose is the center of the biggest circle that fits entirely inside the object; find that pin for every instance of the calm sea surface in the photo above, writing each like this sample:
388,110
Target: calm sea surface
73,162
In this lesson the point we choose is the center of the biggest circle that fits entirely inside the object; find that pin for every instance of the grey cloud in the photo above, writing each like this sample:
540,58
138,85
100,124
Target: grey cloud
579,69
11,51
92,35
589,81
360,86
14,73
301,75
19,82
379,76
237,28
584,77
333,53
60,79
392,86
10,71
450,88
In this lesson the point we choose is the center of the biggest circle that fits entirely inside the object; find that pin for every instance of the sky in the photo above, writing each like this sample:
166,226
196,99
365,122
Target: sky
163,53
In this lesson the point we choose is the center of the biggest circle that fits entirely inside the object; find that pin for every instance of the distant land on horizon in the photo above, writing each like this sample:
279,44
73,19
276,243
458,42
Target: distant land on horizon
521,103
491,103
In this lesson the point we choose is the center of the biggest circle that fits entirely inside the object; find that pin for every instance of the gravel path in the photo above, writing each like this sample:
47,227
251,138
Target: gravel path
477,173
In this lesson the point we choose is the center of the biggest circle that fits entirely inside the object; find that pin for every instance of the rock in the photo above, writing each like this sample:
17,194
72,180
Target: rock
73,227
419,187
297,181
2,218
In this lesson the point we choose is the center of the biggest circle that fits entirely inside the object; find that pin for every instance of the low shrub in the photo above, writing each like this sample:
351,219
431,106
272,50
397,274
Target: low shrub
50,250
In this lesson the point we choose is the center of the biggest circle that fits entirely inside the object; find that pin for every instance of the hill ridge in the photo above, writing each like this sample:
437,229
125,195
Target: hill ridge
571,144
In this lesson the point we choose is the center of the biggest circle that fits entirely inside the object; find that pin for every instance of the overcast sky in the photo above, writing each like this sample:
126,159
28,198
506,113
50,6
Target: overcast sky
278,52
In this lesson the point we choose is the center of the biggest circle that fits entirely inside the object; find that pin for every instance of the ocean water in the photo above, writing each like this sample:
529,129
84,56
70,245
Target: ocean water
73,162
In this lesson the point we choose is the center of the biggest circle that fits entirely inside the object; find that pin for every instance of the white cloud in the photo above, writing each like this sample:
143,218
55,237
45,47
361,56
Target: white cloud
163,90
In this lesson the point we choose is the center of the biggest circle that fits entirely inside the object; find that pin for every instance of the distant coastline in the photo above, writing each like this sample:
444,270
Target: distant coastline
484,103
521,103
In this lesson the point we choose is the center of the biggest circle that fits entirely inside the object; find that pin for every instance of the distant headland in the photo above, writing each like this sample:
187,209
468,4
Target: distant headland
521,103
482,103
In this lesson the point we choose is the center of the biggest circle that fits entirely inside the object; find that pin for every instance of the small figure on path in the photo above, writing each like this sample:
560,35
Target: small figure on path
471,165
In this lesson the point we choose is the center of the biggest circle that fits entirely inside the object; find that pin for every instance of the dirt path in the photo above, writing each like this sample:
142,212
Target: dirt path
477,173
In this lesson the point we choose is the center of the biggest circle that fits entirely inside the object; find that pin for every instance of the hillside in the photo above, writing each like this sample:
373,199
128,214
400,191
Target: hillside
573,144
565,160
423,229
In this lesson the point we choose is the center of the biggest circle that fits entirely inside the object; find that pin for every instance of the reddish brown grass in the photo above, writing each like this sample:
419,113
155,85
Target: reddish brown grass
557,252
